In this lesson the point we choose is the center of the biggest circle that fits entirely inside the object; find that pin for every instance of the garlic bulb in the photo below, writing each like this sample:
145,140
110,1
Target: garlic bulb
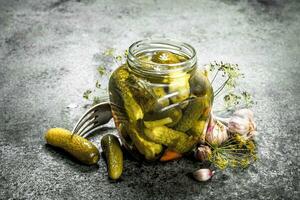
217,133
242,122
203,153
203,174
244,112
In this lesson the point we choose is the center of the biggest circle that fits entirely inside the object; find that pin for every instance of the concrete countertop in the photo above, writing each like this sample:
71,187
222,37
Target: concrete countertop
49,52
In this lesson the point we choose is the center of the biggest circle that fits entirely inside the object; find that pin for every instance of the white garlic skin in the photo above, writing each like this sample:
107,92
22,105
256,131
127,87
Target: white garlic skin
244,112
217,134
239,125
242,122
203,174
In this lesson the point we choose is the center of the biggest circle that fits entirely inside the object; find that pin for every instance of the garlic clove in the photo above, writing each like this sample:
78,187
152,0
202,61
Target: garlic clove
203,153
217,134
239,125
244,113
203,174
242,122
211,125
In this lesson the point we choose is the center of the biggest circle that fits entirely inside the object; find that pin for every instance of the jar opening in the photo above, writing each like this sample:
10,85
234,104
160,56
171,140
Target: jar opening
185,53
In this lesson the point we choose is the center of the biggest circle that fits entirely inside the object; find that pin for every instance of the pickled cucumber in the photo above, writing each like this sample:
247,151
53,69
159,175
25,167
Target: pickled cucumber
179,86
161,95
114,155
77,146
192,113
174,113
160,122
149,149
199,128
142,93
133,109
175,140
165,57
201,84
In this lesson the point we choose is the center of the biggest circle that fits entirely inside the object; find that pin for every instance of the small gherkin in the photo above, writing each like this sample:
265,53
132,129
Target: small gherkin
192,113
133,109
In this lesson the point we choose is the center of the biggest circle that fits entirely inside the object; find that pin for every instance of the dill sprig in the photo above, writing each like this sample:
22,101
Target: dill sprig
92,95
231,74
235,152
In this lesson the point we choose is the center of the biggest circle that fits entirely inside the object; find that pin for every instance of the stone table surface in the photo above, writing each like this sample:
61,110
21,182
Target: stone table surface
49,53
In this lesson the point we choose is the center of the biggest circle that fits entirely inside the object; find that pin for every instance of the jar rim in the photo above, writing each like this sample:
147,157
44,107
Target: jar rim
161,44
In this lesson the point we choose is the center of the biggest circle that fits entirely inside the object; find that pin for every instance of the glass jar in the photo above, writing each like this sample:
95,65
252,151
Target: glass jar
160,100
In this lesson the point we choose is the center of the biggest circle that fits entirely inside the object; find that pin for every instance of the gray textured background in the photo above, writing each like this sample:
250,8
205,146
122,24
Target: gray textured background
49,51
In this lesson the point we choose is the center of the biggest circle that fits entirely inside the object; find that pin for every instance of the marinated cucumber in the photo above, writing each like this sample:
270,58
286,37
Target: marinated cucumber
201,84
199,129
161,95
142,93
178,141
77,146
132,108
179,86
175,114
160,122
192,113
114,155
149,149
165,57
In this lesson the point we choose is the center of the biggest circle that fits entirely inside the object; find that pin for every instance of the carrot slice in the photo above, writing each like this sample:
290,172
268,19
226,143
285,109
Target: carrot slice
170,155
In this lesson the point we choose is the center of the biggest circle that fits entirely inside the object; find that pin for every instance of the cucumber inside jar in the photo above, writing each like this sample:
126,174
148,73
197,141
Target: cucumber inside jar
158,101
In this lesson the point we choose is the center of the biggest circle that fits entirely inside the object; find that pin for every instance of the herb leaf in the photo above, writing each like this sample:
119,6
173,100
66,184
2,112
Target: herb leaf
230,71
109,52
101,69
247,97
98,85
236,152
86,94
232,99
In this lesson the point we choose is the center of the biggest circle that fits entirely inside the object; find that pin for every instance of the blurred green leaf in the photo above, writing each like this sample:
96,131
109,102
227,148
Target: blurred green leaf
86,94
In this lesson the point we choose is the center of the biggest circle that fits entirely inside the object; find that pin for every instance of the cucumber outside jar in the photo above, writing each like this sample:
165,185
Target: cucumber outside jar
160,100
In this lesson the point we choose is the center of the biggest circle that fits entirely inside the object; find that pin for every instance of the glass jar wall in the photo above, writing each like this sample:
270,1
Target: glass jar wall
159,99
